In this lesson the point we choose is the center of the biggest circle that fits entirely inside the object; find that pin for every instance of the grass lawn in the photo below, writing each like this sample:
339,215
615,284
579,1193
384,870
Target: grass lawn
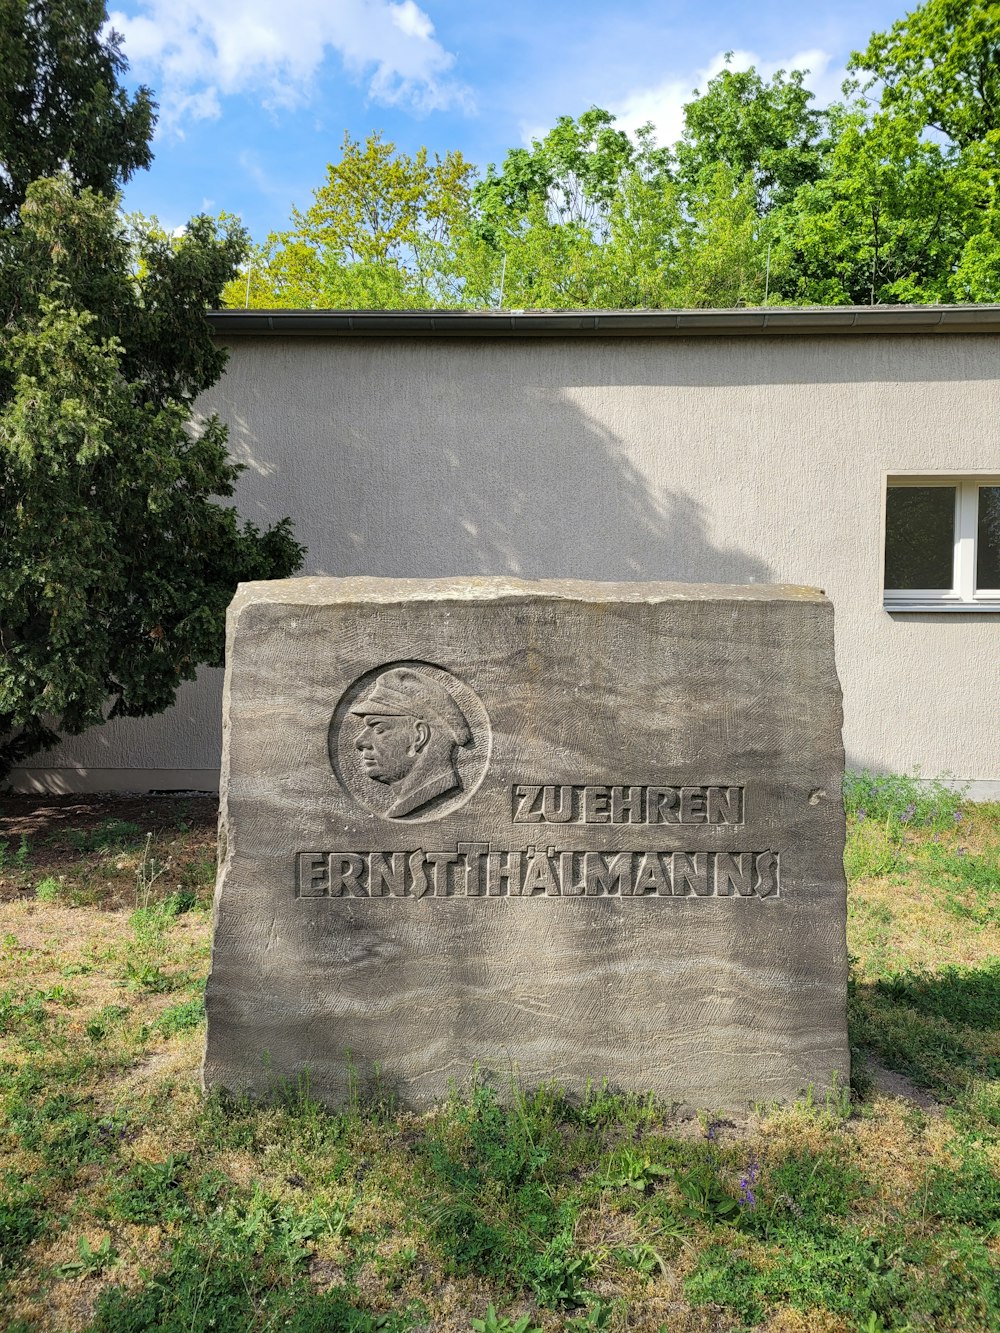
129,1202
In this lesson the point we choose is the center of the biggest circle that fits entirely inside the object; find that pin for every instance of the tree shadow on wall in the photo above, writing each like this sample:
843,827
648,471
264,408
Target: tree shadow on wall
417,464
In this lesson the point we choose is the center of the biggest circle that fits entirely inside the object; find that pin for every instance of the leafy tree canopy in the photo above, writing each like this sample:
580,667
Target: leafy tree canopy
377,234
764,198
764,130
941,64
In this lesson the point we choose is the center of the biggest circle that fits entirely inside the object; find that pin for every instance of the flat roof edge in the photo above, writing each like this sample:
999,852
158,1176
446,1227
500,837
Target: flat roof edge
771,321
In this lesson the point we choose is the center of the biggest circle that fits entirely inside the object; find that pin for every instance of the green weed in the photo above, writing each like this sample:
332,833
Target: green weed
705,1197
633,1170
899,800
239,1264
284,1215
873,850
106,1020
48,890
643,1258
149,978
597,1315
938,1053
807,1192
181,1017
559,1272
971,881
632,1112
944,1281
88,1260
18,860
150,922
21,1219
151,1192
200,875
492,1175
968,1194
25,1017
494,1323
63,1129
112,835
970,996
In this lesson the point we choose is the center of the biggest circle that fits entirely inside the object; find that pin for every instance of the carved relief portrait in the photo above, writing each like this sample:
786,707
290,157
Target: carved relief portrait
409,741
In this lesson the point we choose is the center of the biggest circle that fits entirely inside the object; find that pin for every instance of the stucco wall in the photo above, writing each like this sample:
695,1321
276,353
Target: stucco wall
709,459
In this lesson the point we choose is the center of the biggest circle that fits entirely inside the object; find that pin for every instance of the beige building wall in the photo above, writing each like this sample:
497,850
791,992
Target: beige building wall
758,459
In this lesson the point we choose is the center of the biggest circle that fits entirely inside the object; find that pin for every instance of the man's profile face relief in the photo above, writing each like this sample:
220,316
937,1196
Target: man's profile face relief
390,745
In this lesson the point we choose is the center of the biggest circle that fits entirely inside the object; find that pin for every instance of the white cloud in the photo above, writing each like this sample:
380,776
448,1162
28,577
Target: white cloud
663,104
412,20
197,53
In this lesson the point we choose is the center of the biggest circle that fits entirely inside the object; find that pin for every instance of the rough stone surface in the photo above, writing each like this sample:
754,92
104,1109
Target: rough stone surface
573,831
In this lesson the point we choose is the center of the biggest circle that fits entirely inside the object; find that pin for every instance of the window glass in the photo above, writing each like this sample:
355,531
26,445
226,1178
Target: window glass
920,537
988,538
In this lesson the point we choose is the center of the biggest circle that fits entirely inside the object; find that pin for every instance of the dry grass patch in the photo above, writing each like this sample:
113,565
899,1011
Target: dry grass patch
131,1203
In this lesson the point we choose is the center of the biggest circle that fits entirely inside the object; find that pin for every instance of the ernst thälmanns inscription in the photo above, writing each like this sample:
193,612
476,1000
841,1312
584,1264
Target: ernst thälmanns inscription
568,831
475,870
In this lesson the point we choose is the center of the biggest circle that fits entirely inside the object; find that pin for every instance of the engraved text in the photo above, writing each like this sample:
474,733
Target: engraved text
477,870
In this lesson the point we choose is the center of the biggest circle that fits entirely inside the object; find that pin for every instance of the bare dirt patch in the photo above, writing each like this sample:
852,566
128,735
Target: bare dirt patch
48,821
94,846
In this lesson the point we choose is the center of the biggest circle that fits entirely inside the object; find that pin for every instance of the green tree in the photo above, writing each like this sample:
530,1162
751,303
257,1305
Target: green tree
575,171
559,224
764,197
887,222
116,561
941,65
976,275
721,255
905,209
378,234
764,130
637,262
937,131
60,103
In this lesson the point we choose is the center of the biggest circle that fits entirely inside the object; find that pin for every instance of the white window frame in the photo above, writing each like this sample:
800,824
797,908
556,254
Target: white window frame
963,594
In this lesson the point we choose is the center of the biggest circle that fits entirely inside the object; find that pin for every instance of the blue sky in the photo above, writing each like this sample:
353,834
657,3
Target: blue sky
255,95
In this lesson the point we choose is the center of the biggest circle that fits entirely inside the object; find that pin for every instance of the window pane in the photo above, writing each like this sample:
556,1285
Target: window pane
988,538
919,536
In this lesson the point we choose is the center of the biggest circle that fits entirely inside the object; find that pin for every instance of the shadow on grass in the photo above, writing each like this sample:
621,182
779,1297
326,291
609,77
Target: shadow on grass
942,1029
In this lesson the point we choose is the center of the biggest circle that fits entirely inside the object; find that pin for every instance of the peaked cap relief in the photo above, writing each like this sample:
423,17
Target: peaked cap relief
403,692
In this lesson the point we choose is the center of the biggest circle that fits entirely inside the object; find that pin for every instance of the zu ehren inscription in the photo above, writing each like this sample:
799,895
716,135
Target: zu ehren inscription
595,804
556,831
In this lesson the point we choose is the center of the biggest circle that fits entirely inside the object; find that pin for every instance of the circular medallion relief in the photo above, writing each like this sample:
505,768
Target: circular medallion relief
409,741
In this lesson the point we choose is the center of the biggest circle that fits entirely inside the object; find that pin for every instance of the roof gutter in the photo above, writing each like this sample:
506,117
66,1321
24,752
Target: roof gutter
770,321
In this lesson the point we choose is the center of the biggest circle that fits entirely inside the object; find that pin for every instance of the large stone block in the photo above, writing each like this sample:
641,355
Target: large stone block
575,831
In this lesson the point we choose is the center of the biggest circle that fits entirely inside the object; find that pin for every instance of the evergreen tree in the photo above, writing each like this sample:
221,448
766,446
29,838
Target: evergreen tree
116,560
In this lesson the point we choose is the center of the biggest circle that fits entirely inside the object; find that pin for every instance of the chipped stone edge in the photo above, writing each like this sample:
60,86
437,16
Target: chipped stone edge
387,591
225,846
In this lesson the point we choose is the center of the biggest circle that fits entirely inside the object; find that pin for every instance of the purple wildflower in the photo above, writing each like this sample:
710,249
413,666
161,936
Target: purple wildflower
958,816
748,1199
862,814
907,814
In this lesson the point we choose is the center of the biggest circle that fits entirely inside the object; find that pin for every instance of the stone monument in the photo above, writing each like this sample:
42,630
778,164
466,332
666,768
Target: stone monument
569,831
